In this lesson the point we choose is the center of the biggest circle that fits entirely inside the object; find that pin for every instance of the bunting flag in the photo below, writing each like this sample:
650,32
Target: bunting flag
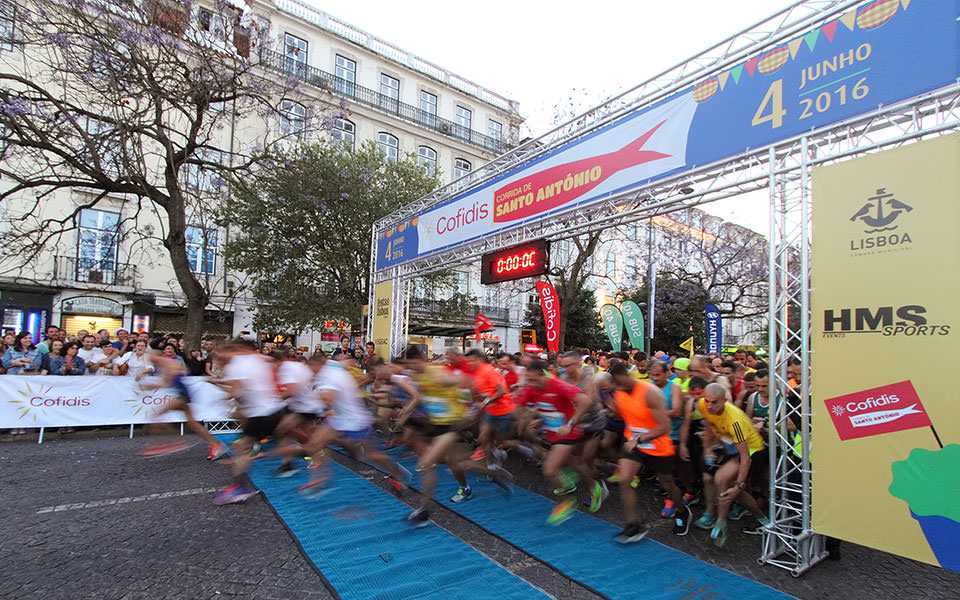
736,72
850,18
794,46
722,78
480,324
811,38
751,65
830,29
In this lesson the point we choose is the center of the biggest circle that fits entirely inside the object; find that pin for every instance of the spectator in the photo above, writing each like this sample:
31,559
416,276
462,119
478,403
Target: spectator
123,342
135,363
104,336
170,351
69,363
196,364
52,332
56,349
93,357
111,354
344,347
21,358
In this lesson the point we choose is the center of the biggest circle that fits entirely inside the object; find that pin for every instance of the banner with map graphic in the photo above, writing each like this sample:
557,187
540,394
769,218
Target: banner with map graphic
874,54
76,401
886,278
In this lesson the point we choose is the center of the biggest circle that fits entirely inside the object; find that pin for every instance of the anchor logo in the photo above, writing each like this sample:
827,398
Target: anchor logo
880,211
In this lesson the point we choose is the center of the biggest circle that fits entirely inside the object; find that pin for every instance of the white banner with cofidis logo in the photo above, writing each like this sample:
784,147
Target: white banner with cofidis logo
65,401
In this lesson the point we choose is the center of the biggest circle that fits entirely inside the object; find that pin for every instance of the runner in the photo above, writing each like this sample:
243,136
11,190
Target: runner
673,402
498,423
304,408
172,376
439,395
561,407
594,421
642,407
249,378
732,467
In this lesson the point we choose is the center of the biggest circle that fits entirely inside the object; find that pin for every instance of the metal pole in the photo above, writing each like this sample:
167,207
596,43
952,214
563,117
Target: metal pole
651,291
40,437
131,431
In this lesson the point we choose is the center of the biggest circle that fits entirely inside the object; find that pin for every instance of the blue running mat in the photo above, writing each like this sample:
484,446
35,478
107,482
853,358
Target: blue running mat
357,536
583,548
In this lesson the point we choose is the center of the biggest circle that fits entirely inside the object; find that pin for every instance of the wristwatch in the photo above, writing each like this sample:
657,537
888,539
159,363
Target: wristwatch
742,485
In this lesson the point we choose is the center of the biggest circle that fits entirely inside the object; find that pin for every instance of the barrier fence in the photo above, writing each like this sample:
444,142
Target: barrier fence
84,401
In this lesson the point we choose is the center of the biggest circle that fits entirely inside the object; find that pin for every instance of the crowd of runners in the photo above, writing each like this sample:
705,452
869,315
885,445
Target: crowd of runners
695,428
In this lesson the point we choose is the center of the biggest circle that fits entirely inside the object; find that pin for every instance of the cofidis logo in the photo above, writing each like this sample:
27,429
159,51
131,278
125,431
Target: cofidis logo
35,400
147,402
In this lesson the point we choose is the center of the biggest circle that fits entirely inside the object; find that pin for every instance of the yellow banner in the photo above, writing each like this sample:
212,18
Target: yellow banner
383,307
886,283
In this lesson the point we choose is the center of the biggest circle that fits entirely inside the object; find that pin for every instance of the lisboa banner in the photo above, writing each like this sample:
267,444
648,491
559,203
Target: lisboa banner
886,279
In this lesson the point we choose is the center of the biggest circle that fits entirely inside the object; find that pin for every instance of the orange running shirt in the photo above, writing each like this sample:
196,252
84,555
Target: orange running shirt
638,420
487,378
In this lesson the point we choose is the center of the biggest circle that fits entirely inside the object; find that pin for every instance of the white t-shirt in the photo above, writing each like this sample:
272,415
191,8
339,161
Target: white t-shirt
258,397
349,411
92,355
299,374
135,364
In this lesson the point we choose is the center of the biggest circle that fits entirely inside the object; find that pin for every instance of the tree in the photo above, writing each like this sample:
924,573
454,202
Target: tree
130,106
307,227
678,312
582,328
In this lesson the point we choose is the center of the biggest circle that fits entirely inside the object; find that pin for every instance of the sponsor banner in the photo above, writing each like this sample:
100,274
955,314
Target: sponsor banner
714,329
64,401
613,325
875,54
550,303
382,314
481,324
886,278
633,319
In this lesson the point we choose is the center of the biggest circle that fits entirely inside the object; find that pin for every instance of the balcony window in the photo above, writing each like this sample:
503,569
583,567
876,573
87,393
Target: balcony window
294,54
213,23
427,158
345,133
464,120
611,265
293,118
98,241
389,145
461,167
389,93
494,130
346,73
428,109
103,145
201,245
203,178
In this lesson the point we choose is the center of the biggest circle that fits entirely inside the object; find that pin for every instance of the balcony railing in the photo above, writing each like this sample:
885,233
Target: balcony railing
94,271
455,312
275,61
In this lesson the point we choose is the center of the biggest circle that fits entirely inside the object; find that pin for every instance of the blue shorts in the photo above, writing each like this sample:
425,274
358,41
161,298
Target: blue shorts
355,436
500,423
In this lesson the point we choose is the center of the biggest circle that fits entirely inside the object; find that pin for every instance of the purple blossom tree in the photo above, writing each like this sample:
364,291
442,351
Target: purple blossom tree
135,105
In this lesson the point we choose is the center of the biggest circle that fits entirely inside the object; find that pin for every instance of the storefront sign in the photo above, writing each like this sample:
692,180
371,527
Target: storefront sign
91,305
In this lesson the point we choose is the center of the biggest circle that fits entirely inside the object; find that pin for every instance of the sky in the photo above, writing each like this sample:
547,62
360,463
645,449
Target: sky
563,54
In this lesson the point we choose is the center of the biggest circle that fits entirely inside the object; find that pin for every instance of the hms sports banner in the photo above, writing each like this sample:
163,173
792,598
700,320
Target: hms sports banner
875,54
886,278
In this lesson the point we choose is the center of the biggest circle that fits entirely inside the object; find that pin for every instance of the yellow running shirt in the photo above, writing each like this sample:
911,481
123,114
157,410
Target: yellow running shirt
732,426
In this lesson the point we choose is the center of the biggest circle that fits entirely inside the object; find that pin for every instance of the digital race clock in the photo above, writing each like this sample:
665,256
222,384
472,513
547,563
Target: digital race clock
526,260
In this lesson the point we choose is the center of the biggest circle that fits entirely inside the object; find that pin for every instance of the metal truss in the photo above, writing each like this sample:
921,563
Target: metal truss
223,426
780,27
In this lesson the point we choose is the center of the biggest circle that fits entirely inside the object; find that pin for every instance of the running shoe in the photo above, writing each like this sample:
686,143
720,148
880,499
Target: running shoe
503,479
632,533
669,509
635,482
419,518
233,495
706,522
463,494
736,512
567,489
562,512
599,494
499,455
568,481
681,524
690,499
217,452
315,488
478,454
757,529
615,478
166,449
719,534
285,470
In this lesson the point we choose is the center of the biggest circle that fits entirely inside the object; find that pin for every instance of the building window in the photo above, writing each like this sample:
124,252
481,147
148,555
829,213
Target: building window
491,296
461,167
201,249
293,118
99,235
203,177
8,13
631,269
461,282
427,158
389,145
346,72
464,119
428,109
345,132
494,129
389,93
611,265
104,145
294,54
213,23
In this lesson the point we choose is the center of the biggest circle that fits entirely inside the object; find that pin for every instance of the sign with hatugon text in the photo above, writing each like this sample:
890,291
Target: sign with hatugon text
874,54
65,401
886,278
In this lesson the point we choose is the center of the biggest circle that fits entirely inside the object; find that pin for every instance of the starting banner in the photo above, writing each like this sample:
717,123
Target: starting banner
886,278
875,54
65,401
